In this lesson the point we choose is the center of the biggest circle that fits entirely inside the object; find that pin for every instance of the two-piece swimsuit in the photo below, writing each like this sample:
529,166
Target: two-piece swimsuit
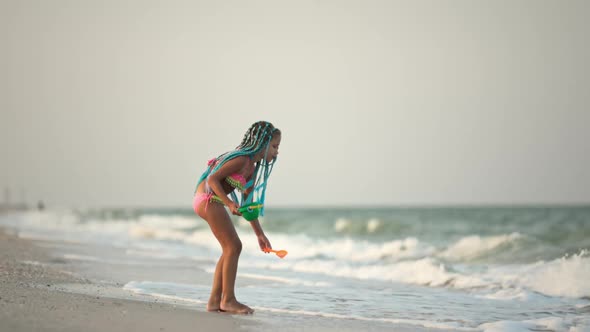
236,180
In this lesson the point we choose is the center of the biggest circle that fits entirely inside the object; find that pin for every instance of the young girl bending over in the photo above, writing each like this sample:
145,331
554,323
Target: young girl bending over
246,169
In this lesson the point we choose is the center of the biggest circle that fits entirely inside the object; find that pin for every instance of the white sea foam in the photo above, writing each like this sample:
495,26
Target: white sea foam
373,225
162,228
508,294
414,322
150,254
507,326
342,225
289,281
86,258
150,232
351,250
44,236
474,246
34,263
49,225
425,271
541,324
150,288
172,222
75,257
572,274
500,283
563,277
66,225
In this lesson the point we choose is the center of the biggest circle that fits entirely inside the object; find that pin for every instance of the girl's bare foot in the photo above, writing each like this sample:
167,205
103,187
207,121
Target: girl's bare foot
213,304
235,307
213,308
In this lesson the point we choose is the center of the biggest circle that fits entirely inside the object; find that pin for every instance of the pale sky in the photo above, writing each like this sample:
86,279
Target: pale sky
121,103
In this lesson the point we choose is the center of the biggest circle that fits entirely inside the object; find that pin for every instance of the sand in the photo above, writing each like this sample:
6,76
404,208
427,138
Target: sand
30,302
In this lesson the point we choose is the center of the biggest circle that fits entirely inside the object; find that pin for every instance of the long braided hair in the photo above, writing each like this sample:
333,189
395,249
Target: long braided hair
256,139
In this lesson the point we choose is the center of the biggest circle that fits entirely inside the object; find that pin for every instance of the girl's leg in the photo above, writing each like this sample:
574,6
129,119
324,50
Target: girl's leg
215,297
227,266
200,204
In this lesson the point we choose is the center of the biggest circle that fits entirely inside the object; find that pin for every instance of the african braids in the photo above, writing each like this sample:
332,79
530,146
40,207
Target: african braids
257,138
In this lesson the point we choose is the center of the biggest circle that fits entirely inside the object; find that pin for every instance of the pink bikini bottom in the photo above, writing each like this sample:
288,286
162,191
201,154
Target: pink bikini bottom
209,197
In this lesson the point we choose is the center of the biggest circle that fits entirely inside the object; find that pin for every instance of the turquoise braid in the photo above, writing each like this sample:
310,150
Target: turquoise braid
256,138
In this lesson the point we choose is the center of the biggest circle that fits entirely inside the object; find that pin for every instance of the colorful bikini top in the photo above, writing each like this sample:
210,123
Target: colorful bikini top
237,181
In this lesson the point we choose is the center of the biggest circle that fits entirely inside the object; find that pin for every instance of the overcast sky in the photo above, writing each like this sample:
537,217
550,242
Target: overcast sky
121,103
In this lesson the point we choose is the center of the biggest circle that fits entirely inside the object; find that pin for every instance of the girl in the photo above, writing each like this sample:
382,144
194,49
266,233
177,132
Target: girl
247,169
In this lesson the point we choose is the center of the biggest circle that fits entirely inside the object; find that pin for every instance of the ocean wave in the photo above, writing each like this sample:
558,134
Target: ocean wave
176,228
164,290
475,246
519,282
171,222
566,277
542,324
412,322
347,226
569,323
283,280
563,277
426,272
351,250
150,232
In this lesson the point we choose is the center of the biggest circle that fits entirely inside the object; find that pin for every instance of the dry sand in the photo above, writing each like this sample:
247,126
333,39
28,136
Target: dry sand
29,303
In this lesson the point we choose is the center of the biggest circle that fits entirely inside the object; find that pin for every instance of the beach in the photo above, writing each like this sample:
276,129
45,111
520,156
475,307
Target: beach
30,300
378,269
68,285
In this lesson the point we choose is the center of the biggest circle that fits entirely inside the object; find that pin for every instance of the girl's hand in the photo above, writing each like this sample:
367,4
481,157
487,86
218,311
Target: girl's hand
233,207
263,242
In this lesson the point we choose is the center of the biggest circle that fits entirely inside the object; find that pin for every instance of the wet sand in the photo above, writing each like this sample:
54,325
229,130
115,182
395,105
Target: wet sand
29,300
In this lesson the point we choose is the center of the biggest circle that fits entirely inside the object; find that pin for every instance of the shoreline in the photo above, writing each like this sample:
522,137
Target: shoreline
67,283
30,299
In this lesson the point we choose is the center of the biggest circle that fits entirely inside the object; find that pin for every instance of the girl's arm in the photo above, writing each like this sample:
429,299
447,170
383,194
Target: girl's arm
263,241
215,180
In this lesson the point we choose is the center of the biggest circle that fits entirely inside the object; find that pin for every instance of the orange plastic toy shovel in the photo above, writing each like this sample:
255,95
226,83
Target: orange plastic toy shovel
280,253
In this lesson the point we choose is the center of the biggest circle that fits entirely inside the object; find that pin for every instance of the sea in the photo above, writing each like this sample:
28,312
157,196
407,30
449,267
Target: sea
506,268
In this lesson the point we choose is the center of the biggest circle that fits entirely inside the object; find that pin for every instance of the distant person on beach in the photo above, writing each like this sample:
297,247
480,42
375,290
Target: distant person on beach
246,169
